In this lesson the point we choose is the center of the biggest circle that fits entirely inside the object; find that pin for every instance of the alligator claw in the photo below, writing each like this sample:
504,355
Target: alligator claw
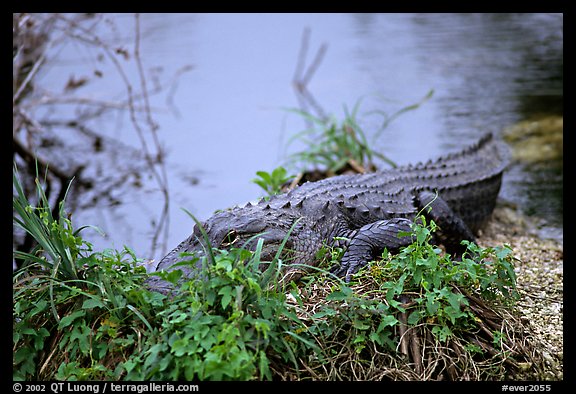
338,270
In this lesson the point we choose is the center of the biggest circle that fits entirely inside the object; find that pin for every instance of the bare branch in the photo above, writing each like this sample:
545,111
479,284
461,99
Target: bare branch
33,35
315,64
28,78
162,177
303,75
301,58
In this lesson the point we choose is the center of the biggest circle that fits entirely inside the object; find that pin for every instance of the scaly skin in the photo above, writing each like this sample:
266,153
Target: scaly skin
369,210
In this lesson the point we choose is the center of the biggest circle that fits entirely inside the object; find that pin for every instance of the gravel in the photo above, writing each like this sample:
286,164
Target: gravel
540,273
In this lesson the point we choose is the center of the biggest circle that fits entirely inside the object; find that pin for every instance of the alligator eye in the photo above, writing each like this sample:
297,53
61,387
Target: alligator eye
230,239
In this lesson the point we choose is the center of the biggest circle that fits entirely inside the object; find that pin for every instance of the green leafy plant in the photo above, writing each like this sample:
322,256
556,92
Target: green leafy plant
419,290
235,321
336,145
91,320
54,236
225,324
387,118
422,269
273,182
72,307
222,327
104,324
333,145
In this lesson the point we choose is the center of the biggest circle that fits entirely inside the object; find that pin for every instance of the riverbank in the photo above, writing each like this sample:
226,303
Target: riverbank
539,271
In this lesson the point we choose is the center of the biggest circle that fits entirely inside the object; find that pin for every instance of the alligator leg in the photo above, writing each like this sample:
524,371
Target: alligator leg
369,241
372,238
452,229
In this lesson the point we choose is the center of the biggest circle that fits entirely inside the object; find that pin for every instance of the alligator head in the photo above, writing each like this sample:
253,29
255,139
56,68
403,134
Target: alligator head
241,228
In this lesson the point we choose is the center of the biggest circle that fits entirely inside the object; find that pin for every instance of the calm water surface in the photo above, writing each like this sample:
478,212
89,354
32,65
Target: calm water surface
229,119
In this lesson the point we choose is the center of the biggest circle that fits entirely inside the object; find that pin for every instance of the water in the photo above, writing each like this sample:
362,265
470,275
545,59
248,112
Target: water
226,118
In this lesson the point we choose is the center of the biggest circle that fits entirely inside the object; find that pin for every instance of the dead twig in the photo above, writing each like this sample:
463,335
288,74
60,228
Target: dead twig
303,75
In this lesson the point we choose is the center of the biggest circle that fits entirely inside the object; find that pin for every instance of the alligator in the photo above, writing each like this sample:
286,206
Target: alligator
362,213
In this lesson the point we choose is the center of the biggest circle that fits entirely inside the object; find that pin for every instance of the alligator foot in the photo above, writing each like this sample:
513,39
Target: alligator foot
369,241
